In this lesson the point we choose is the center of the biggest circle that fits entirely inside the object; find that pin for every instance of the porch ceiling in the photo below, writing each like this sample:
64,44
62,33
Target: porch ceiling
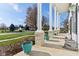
61,7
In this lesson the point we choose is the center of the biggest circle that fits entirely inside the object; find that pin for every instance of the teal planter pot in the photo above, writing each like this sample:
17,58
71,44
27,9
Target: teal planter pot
46,37
27,46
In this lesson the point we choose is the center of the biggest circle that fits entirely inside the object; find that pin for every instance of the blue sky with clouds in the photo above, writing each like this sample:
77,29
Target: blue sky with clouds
15,13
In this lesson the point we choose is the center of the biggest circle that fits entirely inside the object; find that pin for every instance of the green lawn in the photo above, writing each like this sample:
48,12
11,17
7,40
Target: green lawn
10,36
5,43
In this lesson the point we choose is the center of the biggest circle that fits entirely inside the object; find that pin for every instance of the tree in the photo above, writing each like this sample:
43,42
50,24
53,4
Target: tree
31,17
3,27
12,27
26,27
21,26
66,25
16,27
45,23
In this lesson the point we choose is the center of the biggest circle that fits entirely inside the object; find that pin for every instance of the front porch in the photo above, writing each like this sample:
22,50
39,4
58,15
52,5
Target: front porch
60,44
52,48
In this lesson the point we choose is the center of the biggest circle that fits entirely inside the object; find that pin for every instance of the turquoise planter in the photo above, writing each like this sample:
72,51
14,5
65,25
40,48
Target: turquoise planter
46,37
27,46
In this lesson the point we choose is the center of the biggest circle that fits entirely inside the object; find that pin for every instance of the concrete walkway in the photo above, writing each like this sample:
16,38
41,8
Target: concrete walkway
7,33
52,47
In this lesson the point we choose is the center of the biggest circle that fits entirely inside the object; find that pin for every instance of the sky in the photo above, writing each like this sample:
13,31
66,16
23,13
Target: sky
11,13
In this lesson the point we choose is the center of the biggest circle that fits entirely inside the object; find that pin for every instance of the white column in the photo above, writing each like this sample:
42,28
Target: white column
57,20
50,17
39,18
58,23
54,18
73,33
39,34
50,32
69,22
69,25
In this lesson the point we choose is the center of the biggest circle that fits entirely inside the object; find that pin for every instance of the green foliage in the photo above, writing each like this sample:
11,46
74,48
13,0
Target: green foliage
12,27
45,28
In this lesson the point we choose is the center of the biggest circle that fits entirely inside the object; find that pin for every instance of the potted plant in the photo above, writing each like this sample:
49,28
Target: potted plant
27,46
46,37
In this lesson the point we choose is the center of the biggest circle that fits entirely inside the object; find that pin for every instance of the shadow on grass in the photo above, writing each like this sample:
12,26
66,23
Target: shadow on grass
39,53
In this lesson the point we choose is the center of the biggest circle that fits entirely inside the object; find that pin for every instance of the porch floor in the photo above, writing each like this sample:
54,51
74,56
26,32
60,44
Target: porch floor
52,47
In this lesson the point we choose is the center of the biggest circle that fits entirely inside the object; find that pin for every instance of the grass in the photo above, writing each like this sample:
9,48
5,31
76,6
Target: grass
15,41
10,36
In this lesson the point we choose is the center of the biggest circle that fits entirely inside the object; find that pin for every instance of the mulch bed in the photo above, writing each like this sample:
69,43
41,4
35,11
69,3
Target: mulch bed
13,49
